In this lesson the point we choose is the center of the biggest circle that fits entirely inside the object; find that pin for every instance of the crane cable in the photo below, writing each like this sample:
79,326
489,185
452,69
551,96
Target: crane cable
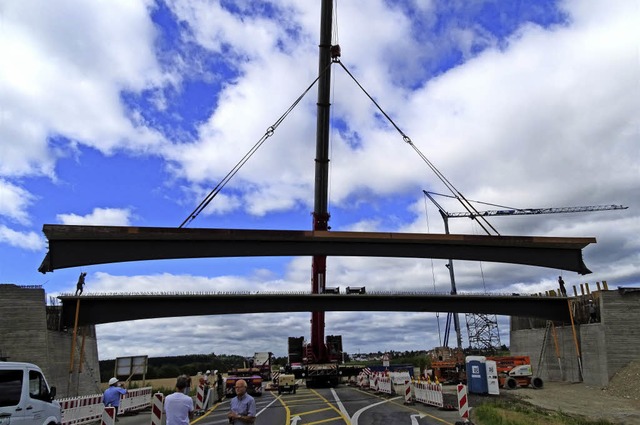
465,203
269,132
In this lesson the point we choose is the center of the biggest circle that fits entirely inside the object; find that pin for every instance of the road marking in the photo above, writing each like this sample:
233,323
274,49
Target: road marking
414,418
340,405
356,416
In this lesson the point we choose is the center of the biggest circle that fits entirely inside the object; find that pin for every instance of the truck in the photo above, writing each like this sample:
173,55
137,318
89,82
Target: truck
326,369
253,380
317,370
25,396
262,361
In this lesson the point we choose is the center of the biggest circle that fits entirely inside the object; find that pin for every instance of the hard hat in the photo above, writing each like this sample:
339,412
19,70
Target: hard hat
215,371
113,381
208,372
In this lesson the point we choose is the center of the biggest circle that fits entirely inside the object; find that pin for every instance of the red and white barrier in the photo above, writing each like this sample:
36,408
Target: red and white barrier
463,401
408,399
81,410
108,416
398,380
363,380
200,397
373,382
384,384
157,406
136,399
427,393
89,408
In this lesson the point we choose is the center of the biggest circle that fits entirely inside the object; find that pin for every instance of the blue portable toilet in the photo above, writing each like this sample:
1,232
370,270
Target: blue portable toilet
477,374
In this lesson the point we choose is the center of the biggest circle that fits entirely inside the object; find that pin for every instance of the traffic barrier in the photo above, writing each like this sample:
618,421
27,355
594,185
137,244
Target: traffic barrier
89,408
207,398
430,394
384,385
398,380
200,397
407,393
136,399
463,401
157,406
108,416
81,410
363,380
373,382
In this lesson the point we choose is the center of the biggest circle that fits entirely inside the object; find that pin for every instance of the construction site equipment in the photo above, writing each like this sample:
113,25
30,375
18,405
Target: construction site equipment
254,382
262,362
516,371
449,368
287,383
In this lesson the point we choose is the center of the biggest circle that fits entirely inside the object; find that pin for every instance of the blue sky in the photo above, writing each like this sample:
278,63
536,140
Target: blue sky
130,112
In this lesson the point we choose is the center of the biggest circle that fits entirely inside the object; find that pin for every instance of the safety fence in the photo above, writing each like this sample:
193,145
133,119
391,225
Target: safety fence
400,383
89,408
428,393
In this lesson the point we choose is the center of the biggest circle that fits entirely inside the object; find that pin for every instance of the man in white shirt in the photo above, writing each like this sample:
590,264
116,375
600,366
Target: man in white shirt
178,406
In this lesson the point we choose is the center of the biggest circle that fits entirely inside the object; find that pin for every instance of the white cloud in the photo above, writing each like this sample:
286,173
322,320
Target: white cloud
98,217
25,240
64,68
14,201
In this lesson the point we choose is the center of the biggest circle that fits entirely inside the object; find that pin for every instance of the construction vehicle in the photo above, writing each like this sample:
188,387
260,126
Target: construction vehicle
287,383
449,366
515,371
254,382
262,362
316,370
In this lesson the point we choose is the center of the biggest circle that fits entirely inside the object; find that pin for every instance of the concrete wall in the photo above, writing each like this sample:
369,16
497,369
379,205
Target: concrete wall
620,319
24,337
605,347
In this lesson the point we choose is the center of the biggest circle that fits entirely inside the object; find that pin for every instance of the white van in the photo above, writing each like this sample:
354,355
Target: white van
25,396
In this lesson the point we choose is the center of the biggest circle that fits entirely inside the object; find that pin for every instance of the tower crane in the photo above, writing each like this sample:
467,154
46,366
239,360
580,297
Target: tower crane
483,330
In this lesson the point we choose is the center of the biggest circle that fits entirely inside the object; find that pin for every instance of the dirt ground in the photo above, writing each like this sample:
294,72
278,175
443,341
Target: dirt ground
618,403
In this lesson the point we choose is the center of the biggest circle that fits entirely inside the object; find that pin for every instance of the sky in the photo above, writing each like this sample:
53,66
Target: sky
129,112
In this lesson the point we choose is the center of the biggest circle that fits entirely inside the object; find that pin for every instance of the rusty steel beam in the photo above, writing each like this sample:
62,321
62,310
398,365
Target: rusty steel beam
97,309
73,246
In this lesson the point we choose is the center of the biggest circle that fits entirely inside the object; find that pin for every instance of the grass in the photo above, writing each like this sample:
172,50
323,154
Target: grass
504,412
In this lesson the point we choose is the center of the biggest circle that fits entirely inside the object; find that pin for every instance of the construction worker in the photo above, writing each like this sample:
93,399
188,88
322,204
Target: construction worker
563,290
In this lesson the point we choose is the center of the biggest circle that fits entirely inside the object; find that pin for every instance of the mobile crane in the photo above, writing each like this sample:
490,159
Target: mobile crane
319,359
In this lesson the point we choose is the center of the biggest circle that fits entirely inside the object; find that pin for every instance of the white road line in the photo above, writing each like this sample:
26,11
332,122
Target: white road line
354,420
340,405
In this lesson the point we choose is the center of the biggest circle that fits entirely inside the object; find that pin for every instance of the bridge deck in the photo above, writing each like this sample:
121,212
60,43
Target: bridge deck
96,309
72,246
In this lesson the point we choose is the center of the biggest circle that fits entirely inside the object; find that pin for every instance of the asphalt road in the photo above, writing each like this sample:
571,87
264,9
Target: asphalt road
332,406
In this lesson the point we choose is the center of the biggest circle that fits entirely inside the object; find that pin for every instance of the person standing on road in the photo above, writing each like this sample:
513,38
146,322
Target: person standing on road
243,406
220,385
178,406
111,396
563,290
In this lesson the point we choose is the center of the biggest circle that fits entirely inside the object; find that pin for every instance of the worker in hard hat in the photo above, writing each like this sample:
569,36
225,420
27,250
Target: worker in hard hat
111,396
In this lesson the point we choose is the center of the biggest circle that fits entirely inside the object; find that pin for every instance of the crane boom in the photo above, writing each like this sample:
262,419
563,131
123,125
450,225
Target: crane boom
533,211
